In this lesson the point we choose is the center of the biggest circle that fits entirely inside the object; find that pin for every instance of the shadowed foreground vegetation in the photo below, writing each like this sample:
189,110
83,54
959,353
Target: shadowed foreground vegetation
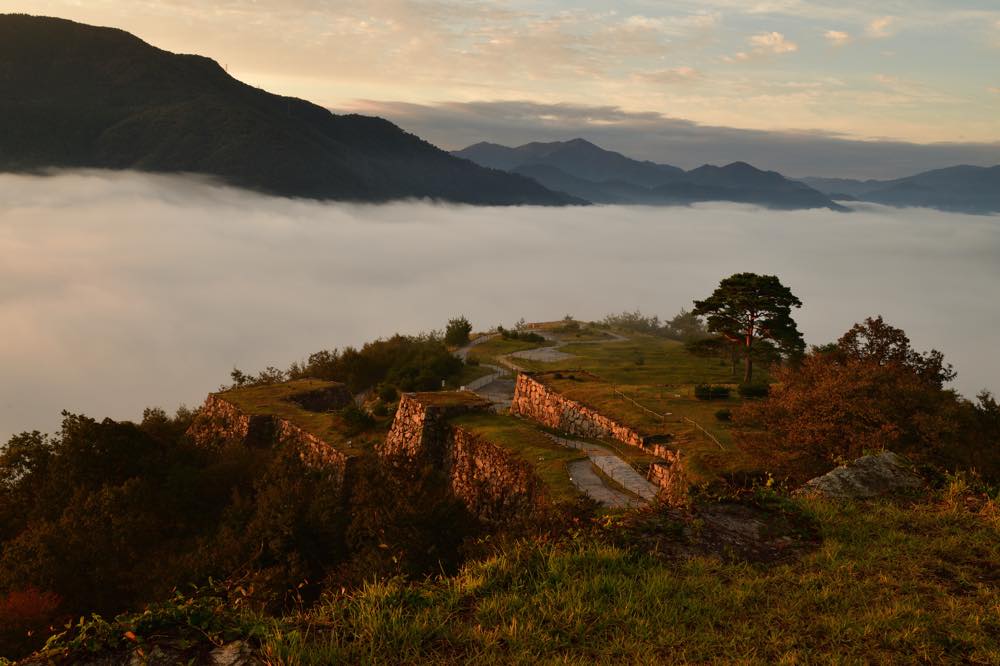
912,581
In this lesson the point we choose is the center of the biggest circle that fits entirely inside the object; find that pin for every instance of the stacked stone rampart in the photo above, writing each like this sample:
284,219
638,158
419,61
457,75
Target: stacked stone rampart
220,422
670,478
493,483
536,401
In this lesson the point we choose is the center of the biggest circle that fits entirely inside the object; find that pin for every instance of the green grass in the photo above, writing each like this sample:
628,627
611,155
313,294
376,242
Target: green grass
663,362
488,352
469,373
529,444
273,400
889,584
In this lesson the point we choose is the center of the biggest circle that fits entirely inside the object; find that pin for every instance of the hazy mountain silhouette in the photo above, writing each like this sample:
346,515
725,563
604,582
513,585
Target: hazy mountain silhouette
586,171
965,189
73,95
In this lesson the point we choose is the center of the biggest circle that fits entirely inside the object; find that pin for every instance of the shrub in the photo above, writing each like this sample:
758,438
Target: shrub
356,419
387,393
457,332
753,390
723,415
711,392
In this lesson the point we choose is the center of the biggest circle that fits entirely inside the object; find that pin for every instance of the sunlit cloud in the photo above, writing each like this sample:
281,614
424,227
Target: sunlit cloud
681,74
763,44
837,37
880,27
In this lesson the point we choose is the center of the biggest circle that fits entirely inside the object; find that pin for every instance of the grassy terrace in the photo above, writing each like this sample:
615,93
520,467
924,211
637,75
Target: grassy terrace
488,352
469,373
660,375
274,400
530,445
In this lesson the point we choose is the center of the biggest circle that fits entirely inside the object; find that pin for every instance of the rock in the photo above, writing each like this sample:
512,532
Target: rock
870,476
232,654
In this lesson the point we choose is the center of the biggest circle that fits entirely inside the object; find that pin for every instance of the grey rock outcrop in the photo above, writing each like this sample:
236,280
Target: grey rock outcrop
870,476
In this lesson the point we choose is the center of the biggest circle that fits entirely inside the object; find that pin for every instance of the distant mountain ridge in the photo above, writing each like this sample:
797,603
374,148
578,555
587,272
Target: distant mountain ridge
581,169
964,188
73,95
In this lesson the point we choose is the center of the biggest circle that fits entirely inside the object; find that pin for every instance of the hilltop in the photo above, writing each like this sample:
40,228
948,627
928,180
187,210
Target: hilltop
79,96
578,491
582,169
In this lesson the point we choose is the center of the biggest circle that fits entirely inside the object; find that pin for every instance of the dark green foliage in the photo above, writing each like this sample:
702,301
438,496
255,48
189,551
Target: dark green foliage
411,363
457,332
403,521
753,390
524,336
634,322
711,392
388,393
80,96
686,327
356,419
269,375
746,308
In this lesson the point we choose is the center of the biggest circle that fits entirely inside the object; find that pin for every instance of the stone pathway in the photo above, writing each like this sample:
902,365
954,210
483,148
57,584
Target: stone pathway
617,469
590,484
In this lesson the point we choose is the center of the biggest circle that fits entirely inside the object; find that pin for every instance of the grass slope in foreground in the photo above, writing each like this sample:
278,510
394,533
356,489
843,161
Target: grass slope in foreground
891,582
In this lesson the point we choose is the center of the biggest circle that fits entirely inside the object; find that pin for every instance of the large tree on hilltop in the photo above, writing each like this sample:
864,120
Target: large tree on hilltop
746,308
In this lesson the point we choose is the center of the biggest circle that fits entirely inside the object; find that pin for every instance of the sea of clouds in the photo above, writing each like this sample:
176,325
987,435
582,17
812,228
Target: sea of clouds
121,290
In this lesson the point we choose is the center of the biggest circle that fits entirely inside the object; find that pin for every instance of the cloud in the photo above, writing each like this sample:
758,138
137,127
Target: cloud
763,44
880,27
837,38
121,290
672,75
772,42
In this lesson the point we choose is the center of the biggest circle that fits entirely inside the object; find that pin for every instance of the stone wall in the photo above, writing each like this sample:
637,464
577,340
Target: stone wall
220,422
670,478
421,424
492,483
536,401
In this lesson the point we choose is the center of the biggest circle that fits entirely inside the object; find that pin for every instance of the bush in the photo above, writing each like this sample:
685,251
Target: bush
711,392
356,419
411,363
753,390
457,332
524,336
723,415
387,393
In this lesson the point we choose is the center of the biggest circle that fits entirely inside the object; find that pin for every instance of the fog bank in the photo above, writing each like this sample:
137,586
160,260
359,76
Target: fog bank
119,291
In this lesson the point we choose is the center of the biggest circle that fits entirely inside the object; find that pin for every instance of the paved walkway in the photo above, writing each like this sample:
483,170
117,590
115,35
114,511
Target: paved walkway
617,469
588,482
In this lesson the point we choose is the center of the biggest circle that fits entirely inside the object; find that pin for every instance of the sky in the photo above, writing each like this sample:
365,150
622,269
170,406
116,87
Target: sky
684,81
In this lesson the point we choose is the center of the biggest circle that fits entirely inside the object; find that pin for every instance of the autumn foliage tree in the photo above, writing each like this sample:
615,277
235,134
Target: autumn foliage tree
868,392
746,309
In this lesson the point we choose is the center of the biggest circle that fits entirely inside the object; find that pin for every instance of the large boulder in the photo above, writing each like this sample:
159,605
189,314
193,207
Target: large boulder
870,476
